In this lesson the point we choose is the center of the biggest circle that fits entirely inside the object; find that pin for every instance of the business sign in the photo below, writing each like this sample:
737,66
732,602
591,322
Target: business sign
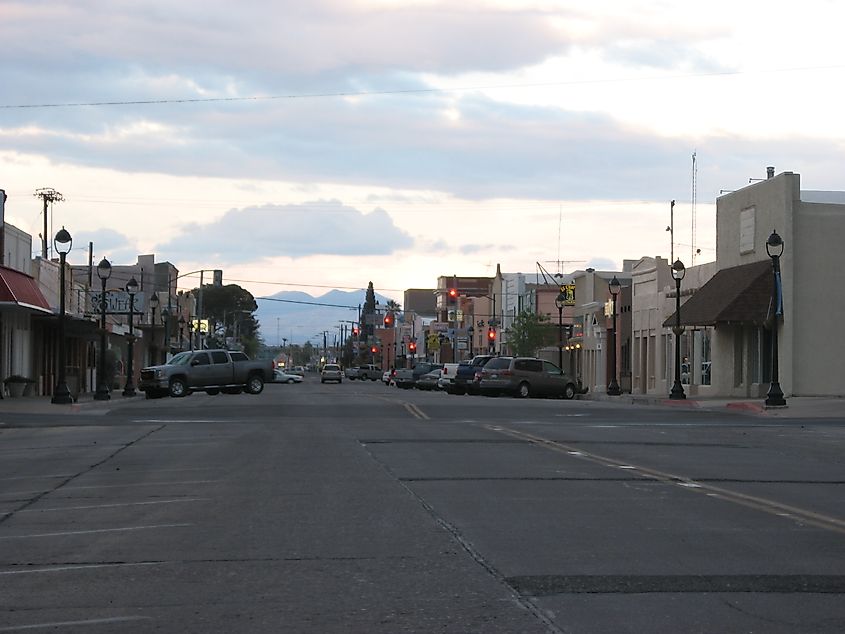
568,291
117,303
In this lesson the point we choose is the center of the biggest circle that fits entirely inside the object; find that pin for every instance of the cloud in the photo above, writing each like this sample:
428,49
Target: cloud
318,228
108,243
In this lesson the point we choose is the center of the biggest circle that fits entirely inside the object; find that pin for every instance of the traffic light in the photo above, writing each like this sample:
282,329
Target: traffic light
388,320
452,294
354,331
412,346
491,334
374,349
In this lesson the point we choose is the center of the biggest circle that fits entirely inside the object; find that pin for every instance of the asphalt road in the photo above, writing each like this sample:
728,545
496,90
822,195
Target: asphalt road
362,508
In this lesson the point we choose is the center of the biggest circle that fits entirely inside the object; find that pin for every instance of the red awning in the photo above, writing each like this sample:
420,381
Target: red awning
19,289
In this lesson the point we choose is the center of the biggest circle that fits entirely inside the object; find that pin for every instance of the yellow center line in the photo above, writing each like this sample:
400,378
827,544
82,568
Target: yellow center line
771,507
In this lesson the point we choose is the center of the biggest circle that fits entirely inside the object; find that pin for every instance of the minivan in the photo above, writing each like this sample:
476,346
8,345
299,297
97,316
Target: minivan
524,377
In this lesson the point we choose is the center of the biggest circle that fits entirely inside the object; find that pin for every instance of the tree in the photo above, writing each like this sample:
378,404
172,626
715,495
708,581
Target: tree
229,310
528,333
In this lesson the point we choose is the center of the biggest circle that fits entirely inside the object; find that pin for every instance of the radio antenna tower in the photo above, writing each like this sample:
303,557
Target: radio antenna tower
48,195
694,203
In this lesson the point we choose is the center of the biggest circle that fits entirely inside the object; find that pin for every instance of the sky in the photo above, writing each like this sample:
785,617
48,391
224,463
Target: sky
326,144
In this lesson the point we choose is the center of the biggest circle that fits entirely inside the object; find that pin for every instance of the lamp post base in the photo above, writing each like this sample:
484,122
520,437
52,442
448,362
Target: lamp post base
129,390
613,389
61,395
102,393
774,398
677,392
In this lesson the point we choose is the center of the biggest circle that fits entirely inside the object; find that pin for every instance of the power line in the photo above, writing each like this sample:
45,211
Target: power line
407,91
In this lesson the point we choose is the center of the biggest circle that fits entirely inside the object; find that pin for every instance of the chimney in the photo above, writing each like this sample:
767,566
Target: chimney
770,172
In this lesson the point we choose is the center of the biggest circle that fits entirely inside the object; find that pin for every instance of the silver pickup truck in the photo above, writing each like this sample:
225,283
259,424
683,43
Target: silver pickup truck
209,371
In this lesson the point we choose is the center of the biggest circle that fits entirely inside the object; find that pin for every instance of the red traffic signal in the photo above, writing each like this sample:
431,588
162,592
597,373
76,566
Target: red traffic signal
453,294
388,320
354,331
412,346
374,349
491,334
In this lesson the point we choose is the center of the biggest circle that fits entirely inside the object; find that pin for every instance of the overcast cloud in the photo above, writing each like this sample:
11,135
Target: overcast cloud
431,110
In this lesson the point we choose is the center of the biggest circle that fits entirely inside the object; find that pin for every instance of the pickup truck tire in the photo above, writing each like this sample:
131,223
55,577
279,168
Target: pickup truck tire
232,390
178,388
213,391
254,384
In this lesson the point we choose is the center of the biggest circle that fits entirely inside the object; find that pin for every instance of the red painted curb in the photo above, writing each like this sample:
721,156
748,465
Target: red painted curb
749,407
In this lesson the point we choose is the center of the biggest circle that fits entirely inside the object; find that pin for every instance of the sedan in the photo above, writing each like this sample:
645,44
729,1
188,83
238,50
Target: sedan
428,381
280,376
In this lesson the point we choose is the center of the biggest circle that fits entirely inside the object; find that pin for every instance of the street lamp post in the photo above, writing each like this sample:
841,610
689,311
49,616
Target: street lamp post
165,322
129,389
678,272
560,300
61,393
774,247
181,328
103,392
613,387
154,304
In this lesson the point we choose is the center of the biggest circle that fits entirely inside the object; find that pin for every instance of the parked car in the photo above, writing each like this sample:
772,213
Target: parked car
447,378
364,372
466,381
209,371
280,376
525,376
428,381
387,376
297,369
331,372
407,377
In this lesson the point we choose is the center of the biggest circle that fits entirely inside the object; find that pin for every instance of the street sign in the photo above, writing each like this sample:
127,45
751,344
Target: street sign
117,302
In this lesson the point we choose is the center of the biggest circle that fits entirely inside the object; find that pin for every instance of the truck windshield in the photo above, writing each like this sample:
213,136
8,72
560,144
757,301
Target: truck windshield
180,359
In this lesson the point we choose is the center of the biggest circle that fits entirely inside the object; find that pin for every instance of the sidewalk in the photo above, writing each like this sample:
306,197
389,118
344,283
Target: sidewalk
84,405
796,406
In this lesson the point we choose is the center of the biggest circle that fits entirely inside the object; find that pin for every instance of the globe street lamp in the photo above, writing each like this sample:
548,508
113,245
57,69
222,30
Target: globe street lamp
774,247
678,272
154,304
129,388
61,393
560,301
103,392
613,387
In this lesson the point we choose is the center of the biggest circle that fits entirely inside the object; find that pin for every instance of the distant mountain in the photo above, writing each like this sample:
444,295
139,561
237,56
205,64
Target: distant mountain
300,317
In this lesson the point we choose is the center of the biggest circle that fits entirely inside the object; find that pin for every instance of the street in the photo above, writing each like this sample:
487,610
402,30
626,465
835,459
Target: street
356,507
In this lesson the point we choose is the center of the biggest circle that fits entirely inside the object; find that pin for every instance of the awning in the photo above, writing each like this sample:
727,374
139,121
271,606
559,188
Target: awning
19,289
738,295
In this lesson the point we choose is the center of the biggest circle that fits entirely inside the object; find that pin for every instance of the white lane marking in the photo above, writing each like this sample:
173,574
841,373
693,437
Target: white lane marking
38,626
570,415
627,466
575,453
178,420
110,506
111,486
98,530
689,485
38,477
81,567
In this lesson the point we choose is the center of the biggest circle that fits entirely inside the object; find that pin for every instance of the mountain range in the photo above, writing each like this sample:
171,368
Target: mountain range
299,317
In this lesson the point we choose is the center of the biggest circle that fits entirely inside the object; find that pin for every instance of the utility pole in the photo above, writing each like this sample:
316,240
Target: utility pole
47,194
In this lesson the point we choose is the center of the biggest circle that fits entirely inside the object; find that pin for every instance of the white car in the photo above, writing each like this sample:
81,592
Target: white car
331,372
280,376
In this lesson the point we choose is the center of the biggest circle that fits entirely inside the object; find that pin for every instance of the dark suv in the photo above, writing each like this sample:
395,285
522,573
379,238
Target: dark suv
525,376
